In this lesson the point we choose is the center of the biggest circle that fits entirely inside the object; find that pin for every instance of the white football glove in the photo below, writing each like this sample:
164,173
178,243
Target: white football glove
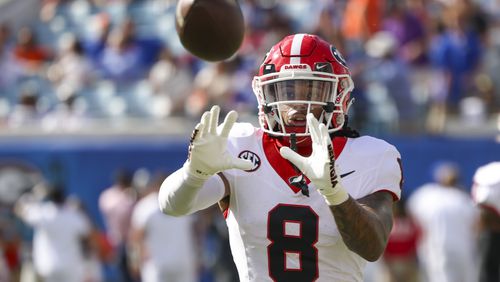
320,166
207,150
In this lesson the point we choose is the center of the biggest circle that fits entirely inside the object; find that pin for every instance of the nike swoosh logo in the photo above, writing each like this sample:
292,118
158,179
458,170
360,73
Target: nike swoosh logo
321,66
346,174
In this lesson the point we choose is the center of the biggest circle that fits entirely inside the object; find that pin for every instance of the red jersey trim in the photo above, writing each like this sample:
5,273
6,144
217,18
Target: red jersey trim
282,166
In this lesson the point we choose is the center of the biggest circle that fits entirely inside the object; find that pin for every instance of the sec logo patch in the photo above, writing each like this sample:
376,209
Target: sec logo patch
250,156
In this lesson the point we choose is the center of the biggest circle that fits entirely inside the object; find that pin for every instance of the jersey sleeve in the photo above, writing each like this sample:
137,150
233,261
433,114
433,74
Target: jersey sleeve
486,186
212,191
179,196
380,168
389,176
486,196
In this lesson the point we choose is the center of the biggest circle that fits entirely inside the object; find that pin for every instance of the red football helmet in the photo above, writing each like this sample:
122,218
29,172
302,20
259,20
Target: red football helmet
302,74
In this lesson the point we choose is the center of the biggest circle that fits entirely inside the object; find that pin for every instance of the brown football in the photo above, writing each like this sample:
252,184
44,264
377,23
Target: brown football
210,29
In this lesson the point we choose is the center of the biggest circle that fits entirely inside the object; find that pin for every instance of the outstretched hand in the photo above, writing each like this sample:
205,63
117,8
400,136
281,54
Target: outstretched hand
208,146
320,166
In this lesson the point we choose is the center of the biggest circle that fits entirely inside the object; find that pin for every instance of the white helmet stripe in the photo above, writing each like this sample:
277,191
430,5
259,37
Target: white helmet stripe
295,49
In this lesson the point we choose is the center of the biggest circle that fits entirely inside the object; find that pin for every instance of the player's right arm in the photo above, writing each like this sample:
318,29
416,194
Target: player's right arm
192,187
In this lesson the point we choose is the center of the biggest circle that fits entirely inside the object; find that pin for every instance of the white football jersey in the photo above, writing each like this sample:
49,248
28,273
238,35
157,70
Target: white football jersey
486,186
279,234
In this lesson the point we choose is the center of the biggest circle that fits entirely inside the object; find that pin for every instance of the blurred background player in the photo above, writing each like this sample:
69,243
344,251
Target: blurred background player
319,212
116,204
59,234
400,255
486,194
448,222
164,246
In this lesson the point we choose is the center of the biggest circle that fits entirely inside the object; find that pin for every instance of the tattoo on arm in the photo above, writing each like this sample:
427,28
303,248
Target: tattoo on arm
365,224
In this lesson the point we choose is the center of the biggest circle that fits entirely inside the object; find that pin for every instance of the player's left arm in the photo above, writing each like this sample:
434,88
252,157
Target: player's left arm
365,224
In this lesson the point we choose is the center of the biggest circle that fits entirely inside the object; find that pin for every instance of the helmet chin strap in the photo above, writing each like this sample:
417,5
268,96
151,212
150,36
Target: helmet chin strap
293,142
300,181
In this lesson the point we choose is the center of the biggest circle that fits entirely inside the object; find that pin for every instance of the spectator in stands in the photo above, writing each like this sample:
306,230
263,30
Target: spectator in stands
49,9
406,21
388,86
408,30
26,112
328,26
59,232
486,194
213,85
448,220
171,81
164,246
126,57
362,19
489,82
116,204
149,45
120,60
71,71
29,52
104,3
98,34
454,52
454,46
69,115
10,71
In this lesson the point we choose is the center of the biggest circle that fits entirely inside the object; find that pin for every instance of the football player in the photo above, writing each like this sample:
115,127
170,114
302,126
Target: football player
486,194
305,197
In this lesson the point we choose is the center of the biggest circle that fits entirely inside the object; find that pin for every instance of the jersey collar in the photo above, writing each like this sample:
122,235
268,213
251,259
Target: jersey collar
283,167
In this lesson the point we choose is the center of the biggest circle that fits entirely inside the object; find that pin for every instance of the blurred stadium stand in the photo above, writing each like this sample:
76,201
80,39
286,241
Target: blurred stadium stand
99,62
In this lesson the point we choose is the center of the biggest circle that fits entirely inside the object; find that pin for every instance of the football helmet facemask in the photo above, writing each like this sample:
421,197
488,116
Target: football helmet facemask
302,74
